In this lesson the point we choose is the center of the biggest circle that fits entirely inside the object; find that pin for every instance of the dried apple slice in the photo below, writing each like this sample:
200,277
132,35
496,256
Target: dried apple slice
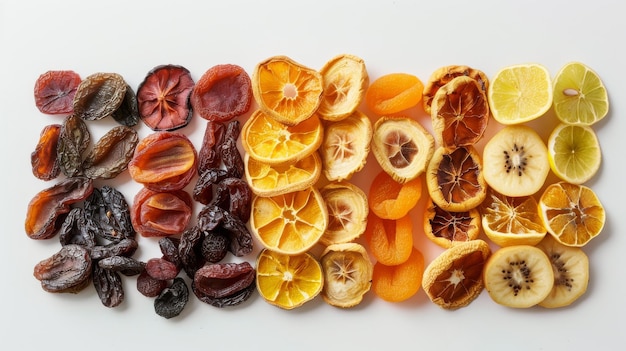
347,274
345,82
402,147
347,212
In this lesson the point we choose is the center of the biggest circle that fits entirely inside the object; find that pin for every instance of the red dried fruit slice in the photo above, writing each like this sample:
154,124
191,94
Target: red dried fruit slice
161,213
43,160
55,90
222,93
163,98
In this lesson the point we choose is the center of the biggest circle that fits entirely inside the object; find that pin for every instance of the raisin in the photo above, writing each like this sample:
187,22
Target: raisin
222,93
227,301
163,98
48,208
108,208
212,217
43,160
77,229
161,269
99,95
164,161
128,112
203,190
124,247
68,270
189,250
111,154
235,196
161,213
230,153
55,90
108,285
223,279
169,249
149,286
209,156
125,265
74,140
172,300
214,246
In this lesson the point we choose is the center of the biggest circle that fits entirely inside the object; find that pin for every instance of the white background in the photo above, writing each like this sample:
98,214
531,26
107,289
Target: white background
131,38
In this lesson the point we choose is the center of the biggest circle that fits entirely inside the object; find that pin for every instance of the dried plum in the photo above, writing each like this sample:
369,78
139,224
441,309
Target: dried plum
227,301
68,270
99,95
219,280
169,249
222,93
111,154
212,217
124,247
125,265
203,190
128,112
161,269
189,250
108,285
214,246
108,208
55,90
149,286
44,160
74,140
209,156
172,300
77,229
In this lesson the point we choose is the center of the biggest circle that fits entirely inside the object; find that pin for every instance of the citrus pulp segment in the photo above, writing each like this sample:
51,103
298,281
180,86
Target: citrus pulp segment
574,153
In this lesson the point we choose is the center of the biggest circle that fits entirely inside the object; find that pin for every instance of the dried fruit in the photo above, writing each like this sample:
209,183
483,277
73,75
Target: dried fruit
149,286
43,160
389,199
347,274
161,269
161,213
234,299
272,180
111,154
68,270
127,114
163,98
122,264
400,282
345,82
446,228
108,209
394,92
445,74
172,300
99,95
213,217
74,140
108,285
402,147
574,153
209,154
220,280
55,90
222,93
390,241
347,212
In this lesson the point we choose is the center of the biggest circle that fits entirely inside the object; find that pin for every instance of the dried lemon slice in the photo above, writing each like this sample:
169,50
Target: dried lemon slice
347,212
347,274
288,281
290,223
346,146
446,228
272,142
286,90
271,180
443,75
402,147
345,81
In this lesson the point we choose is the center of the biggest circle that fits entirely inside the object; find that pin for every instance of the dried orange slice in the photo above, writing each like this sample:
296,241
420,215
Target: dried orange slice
454,278
401,282
286,90
572,213
510,220
347,274
455,179
402,147
394,92
390,241
271,180
347,212
272,142
345,81
290,223
288,281
446,228
392,200
443,75
459,112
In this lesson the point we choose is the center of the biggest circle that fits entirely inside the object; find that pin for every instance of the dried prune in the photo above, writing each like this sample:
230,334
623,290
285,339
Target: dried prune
169,249
74,140
212,217
164,161
223,279
209,156
203,190
43,160
161,213
235,196
222,93
124,247
161,269
77,229
125,265
55,90
99,95
47,209
149,286
172,300
111,154
68,270
227,301
128,112
230,153
108,285
214,246
163,98
189,250
108,208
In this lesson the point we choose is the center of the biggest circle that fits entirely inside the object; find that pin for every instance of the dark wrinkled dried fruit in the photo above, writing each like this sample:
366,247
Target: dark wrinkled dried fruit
108,208
163,98
214,246
223,279
209,156
161,269
125,265
43,160
108,285
230,153
161,213
203,190
55,90
189,250
65,271
172,300
149,286
46,210
124,247
111,154
222,93
213,217
169,249
99,95
235,196
164,161
227,301
128,112
77,229
74,140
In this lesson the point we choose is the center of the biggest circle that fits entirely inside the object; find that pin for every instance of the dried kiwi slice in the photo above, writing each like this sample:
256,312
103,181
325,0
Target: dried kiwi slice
347,273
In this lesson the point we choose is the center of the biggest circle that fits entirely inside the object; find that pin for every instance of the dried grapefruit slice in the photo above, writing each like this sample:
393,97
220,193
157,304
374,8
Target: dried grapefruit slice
347,274
345,81
446,228
347,212
445,74
271,180
272,142
286,90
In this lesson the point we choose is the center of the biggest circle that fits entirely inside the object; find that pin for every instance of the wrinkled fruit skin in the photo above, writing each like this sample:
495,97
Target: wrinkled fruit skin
222,93
68,270
99,95
157,214
172,300
44,159
223,279
55,90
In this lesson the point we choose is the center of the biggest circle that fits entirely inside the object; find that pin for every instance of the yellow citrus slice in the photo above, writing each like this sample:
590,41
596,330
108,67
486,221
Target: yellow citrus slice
347,274
271,180
272,142
446,228
288,281
290,223
445,74
347,212
579,95
345,81
574,153
509,221
286,90
520,93
572,213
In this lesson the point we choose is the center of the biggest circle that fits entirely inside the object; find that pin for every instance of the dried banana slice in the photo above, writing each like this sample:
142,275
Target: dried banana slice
345,82
346,146
347,273
347,212
443,75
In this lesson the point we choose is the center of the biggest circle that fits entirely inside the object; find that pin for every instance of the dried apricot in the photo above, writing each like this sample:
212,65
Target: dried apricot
389,241
394,92
389,199
55,90
43,160
222,93
158,214
399,283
